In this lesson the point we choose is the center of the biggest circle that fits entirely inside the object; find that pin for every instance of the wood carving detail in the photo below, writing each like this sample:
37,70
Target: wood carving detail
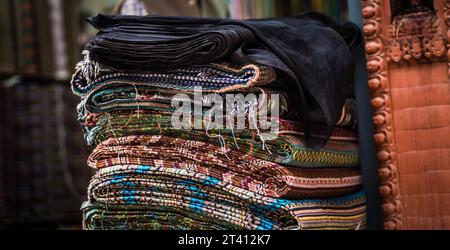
377,65
416,37
447,23
417,49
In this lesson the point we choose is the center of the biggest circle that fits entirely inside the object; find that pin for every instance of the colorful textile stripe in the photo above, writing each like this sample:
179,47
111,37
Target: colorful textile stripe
289,127
285,149
230,166
128,97
186,191
100,216
213,77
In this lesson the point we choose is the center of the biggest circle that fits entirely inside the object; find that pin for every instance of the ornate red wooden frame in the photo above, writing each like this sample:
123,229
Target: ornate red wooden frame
383,48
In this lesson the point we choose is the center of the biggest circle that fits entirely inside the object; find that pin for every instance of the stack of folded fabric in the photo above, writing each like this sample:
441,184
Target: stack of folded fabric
152,175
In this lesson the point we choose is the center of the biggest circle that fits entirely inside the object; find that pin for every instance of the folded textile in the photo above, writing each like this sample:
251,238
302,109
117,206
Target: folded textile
310,51
213,77
284,149
232,166
99,216
185,191
100,127
345,129
128,97
163,115
349,116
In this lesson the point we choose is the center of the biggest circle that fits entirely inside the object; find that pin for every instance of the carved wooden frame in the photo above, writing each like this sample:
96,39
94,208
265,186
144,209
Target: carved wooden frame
446,16
379,57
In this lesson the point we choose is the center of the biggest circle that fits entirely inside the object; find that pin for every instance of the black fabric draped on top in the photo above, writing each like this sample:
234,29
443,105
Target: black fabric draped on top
310,52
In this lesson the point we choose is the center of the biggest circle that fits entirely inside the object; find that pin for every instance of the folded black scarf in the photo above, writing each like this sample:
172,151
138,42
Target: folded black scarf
310,51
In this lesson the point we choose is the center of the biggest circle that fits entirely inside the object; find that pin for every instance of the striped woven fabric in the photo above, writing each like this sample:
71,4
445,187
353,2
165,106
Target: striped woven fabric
99,216
285,149
185,191
289,127
128,97
232,166
213,77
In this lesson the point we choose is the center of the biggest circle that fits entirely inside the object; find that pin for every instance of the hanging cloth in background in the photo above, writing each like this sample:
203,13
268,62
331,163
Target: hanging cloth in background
199,8
133,7
247,9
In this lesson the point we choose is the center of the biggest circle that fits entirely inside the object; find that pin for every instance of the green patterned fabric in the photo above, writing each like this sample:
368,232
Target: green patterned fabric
285,149
100,216
183,191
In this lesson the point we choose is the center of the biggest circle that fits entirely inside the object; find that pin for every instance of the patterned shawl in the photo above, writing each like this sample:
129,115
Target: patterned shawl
128,97
212,78
287,149
232,166
184,191
99,216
